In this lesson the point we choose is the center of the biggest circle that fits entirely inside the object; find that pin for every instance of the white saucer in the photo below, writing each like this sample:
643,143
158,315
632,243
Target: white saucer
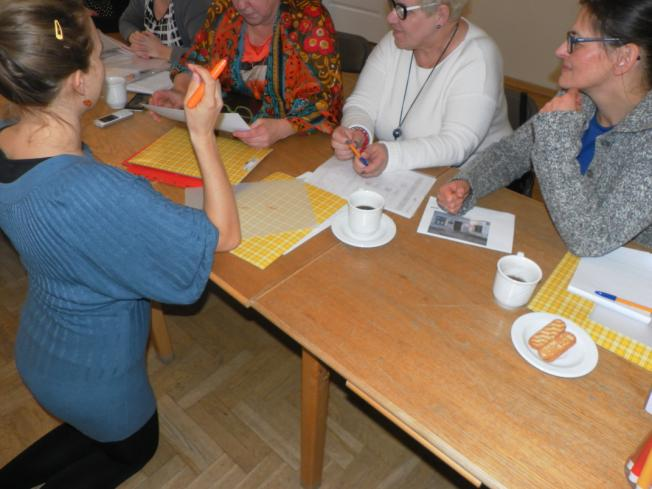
579,360
384,235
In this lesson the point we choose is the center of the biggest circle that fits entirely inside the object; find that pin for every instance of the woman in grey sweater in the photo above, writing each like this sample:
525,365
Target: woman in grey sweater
162,28
590,146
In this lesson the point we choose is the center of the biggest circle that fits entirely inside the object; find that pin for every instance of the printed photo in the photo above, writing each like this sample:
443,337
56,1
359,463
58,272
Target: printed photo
457,227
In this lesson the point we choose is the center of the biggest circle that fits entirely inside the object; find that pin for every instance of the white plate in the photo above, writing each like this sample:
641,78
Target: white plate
579,360
384,235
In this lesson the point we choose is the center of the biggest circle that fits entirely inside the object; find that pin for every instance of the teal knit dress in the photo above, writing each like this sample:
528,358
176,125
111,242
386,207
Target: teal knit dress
97,243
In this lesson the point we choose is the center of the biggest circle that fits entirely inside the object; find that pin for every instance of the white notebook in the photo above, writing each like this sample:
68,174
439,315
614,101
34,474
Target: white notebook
625,273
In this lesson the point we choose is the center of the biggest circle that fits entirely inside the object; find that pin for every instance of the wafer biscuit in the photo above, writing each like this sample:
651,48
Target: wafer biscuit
546,334
553,349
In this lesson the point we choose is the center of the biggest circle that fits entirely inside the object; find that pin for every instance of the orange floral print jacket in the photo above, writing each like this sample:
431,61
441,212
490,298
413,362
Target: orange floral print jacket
303,78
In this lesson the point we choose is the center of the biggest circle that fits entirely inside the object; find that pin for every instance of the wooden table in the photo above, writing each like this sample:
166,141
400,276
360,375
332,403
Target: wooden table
240,279
414,329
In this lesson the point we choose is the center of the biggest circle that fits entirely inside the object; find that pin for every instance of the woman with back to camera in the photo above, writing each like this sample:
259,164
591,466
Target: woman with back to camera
162,29
282,65
97,242
590,146
431,92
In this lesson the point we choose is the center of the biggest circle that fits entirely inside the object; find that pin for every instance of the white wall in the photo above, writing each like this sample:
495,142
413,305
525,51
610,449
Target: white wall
527,31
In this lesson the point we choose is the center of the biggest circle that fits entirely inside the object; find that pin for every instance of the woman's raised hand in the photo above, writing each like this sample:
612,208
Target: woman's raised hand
571,101
202,118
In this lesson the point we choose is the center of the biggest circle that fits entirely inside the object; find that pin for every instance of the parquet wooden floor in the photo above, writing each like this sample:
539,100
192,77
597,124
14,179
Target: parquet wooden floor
229,407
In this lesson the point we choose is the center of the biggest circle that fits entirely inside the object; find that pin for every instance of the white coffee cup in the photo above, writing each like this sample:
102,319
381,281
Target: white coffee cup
116,92
365,209
516,279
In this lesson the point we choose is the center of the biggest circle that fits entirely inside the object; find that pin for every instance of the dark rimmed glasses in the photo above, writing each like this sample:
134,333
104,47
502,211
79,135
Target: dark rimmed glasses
402,10
572,40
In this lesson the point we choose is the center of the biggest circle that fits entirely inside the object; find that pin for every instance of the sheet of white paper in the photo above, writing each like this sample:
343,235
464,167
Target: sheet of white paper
119,61
624,273
481,227
403,191
228,121
150,84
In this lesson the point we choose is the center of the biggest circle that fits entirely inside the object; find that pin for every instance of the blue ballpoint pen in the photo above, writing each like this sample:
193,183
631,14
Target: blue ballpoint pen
620,300
356,152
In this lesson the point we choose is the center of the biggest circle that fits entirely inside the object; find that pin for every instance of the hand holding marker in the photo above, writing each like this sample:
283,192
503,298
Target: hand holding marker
356,152
216,71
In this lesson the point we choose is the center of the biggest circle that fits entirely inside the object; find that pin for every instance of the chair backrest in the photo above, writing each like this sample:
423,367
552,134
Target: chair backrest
520,107
353,50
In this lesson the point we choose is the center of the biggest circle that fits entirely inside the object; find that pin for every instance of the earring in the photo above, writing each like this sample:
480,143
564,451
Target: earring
87,102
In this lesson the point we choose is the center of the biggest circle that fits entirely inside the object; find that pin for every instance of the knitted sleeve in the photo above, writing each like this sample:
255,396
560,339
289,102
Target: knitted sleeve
127,241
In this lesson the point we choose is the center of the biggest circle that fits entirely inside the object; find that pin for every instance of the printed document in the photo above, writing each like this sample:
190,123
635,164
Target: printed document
481,227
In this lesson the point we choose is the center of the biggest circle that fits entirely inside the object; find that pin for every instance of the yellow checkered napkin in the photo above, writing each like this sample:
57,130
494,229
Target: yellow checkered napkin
263,250
555,299
173,152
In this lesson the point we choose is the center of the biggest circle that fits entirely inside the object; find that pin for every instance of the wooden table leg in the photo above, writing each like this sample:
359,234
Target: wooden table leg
159,334
314,409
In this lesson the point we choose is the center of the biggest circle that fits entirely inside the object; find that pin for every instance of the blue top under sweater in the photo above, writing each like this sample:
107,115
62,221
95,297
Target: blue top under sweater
585,157
97,242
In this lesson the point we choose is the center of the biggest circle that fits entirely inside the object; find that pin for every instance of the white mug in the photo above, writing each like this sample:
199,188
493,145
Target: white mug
516,279
365,209
116,92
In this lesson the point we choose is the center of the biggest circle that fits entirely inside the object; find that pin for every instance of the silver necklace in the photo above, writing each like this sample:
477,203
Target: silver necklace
398,132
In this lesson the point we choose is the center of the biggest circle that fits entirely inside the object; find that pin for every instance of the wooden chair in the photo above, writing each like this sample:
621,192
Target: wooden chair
353,50
159,334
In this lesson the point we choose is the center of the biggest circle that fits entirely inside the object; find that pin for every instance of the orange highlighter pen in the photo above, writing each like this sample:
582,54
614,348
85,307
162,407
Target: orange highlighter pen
216,71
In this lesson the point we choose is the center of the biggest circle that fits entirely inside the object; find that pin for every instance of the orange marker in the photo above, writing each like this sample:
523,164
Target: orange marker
216,71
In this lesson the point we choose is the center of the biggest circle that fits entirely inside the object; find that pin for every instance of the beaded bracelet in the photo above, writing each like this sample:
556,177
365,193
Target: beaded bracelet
365,137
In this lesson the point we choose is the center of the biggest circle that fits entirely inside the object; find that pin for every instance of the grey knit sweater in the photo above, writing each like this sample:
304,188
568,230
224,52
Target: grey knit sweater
594,213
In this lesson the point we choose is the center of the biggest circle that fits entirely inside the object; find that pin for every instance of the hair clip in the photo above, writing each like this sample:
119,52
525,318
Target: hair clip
58,31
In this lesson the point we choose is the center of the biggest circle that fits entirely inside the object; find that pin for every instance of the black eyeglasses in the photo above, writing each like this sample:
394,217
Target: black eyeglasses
572,40
402,10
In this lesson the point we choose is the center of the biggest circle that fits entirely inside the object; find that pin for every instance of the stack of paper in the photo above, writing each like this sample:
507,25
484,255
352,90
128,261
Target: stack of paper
119,61
152,83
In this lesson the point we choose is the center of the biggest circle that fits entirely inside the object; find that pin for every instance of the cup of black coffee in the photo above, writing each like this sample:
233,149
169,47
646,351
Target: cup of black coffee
365,209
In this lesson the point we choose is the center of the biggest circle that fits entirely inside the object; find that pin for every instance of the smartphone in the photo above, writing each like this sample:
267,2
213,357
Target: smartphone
111,119
137,101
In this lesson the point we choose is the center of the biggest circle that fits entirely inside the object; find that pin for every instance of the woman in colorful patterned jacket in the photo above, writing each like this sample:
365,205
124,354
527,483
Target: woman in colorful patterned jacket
282,58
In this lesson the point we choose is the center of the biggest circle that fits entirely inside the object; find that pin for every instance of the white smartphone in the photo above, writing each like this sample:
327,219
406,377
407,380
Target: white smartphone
110,119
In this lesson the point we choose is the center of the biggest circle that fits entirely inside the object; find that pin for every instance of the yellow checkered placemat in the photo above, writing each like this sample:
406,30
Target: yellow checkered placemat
173,152
555,299
261,251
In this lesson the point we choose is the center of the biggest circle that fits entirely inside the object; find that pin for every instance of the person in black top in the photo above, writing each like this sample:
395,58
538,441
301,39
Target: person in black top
106,13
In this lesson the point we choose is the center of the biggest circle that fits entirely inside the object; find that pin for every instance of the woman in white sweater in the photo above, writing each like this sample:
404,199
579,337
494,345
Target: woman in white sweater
431,93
